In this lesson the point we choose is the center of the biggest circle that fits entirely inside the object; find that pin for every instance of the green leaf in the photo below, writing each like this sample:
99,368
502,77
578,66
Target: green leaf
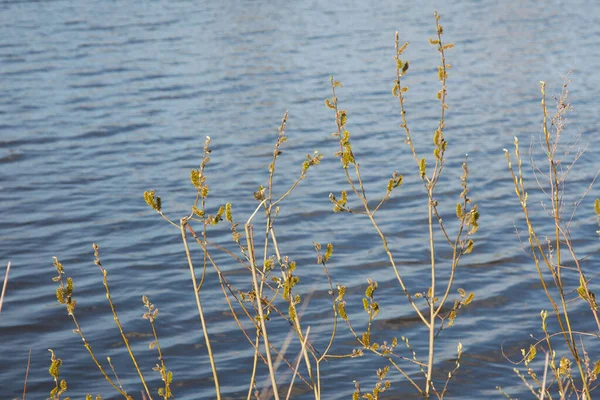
469,299
154,202
451,317
366,339
343,117
342,311
422,167
531,354
459,211
402,48
405,68
469,247
597,368
329,252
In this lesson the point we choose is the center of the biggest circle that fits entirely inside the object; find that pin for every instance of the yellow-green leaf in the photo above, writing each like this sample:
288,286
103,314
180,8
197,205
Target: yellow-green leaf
531,354
405,68
342,311
459,211
422,167
469,299
469,247
451,317
402,48
597,368
329,252
366,339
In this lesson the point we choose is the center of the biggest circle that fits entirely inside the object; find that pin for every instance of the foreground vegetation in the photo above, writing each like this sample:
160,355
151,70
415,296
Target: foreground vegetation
564,371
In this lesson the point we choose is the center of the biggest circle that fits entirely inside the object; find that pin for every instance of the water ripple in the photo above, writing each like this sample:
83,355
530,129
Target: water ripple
102,101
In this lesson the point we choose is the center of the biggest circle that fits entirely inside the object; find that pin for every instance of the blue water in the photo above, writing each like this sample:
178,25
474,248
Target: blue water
102,100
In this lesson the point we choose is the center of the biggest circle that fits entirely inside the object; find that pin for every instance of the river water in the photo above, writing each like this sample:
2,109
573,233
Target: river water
102,100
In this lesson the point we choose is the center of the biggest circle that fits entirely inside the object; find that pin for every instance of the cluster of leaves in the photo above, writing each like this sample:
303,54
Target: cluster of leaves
465,300
466,212
381,386
64,295
339,205
287,283
153,201
60,385
64,292
167,376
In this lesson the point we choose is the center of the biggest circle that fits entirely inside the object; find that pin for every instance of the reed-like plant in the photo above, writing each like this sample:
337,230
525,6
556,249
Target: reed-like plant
265,287
567,371
264,295
64,295
434,316
269,292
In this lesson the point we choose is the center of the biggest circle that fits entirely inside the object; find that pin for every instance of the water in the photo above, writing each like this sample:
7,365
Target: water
101,101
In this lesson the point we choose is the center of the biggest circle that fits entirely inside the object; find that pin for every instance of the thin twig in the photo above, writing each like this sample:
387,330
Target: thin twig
302,351
117,321
112,367
86,344
258,295
296,320
26,374
545,374
183,223
4,286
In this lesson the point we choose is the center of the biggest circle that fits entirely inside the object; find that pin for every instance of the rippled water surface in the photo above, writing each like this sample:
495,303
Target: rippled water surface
102,100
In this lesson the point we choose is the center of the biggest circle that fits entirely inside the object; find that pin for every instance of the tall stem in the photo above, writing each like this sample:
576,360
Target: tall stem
258,295
432,313
182,224
555,186
296,320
